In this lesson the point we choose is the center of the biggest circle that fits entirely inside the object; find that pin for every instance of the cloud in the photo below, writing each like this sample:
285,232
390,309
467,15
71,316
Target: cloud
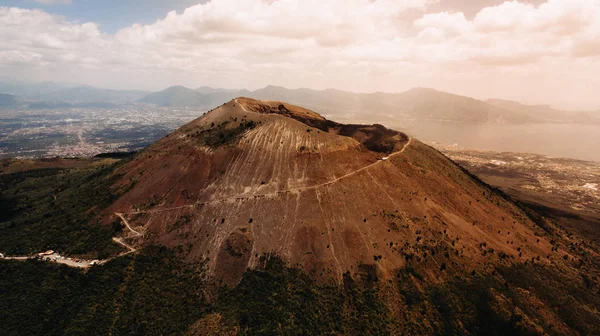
29,32
516,33
53,2
327,23
310,42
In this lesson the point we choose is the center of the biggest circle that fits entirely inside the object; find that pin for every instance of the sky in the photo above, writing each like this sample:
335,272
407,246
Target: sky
536,51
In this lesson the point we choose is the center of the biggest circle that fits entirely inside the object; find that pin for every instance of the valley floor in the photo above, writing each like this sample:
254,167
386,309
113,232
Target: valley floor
565,190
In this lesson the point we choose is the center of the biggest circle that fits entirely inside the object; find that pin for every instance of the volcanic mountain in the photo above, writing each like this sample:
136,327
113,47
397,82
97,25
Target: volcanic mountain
263,218
253,178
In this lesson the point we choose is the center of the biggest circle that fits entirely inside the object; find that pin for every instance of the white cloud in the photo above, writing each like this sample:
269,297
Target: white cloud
515,33
249,43
52,2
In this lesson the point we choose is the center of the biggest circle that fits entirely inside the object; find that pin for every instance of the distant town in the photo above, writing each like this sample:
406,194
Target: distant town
85,132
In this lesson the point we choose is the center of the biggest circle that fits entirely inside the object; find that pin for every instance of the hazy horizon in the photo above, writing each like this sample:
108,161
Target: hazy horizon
75,85
534,52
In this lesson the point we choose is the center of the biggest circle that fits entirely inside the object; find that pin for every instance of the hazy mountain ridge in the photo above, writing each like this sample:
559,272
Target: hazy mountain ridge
547,113
208,90
180,96
7,100
417,103
54,95
30,90
93,95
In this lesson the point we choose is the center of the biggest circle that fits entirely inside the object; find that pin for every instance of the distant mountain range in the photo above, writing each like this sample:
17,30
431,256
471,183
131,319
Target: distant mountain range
53,95
204,97
86,94
7,100
547,113
417,103
30,90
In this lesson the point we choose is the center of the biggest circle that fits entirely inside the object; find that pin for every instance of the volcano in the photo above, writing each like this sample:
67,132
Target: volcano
264,218
253,178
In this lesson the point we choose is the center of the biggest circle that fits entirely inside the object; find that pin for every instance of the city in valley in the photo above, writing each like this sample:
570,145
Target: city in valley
85,132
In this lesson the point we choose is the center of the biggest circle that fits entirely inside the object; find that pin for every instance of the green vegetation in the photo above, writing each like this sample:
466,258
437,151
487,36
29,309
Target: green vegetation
222,134
54,209
281,300
505,300
151,293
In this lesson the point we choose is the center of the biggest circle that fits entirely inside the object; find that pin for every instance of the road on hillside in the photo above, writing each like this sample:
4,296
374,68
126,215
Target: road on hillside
83,263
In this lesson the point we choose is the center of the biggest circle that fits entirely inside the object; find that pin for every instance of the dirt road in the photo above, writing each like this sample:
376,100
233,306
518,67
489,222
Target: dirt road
56,258
120,215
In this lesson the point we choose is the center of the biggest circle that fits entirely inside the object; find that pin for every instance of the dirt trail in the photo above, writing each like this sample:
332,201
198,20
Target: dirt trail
18,258
242,106
122,243
56,258
120,215
120,240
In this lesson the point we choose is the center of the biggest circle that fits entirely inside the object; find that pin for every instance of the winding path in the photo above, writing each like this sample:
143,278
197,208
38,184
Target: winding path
122,243
120,215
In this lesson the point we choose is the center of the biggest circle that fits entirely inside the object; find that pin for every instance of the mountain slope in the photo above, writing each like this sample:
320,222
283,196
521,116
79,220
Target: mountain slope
252,177
173,96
